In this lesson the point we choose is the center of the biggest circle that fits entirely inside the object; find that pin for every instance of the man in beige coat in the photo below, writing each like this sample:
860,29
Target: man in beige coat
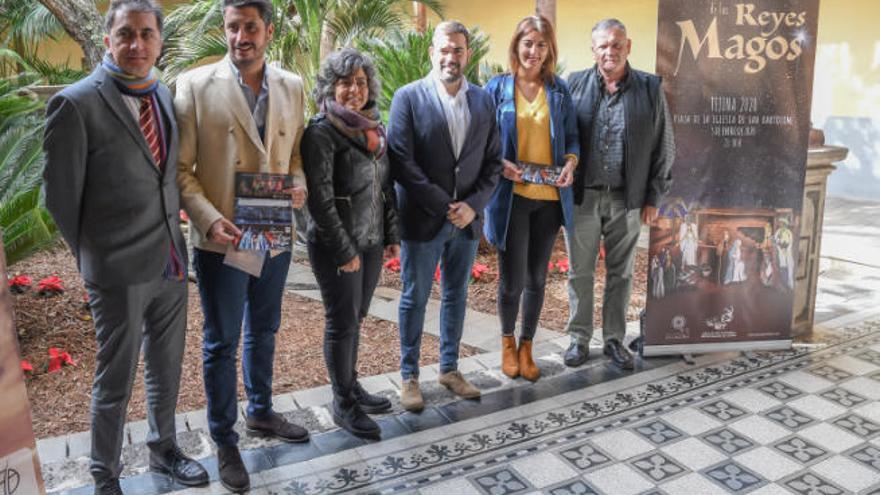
238,115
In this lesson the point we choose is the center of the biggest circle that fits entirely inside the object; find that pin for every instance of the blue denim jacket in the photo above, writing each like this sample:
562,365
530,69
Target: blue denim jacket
564,140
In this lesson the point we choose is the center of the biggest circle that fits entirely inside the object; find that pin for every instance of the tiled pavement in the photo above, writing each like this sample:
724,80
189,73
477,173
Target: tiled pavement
805,421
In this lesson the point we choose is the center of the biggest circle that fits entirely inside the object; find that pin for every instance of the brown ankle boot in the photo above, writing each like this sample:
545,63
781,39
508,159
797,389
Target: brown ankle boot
527,367
509,360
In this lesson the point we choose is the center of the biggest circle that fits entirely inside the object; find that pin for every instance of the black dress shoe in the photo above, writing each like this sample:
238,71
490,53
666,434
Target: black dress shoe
576,354
276,426
370,403
179,467
618,354
354,420
108,486
233,474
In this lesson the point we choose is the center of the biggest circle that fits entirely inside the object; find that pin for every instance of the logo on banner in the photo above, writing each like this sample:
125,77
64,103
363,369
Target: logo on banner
719,323
679,329
9,480
17,475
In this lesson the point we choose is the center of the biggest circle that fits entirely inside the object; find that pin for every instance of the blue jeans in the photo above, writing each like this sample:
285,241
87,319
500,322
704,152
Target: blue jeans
455,251
229,295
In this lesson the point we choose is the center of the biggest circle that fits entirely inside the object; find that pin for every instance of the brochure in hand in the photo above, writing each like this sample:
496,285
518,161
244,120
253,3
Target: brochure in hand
263,211
539,174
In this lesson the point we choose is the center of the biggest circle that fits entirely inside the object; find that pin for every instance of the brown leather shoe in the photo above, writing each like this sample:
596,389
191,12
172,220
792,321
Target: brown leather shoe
509,362
456,383
527,367
410,395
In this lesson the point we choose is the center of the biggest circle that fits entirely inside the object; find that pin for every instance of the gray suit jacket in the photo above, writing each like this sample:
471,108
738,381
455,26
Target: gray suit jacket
427,173
117,211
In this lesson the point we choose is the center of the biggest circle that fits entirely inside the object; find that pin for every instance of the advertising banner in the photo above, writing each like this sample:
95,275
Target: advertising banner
19,466
724,253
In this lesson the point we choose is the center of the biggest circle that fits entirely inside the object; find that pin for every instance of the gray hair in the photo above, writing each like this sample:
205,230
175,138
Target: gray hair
265,7
340,64
145,6
606,24
449,28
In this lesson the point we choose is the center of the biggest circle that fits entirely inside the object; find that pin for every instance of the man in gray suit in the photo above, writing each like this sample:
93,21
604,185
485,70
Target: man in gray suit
446,158
110,180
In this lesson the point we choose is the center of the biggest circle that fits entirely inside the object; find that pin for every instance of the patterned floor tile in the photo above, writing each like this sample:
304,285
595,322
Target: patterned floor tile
801,450
456,485
728,441
768,463
618,479
788,417
543,469
572,487
658,467
693,454
691,421
869,455
622,444
692,484
846,473
843,397
870,411
817,407
585,456
830,437
829,373
863,386
500,482
773,489
734,477
780,391
750,400
722,410
853,365
869,355
858,425
658,432
760,430
809,483
807,382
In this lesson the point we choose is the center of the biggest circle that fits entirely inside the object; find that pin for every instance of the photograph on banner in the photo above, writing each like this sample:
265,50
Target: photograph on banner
723,254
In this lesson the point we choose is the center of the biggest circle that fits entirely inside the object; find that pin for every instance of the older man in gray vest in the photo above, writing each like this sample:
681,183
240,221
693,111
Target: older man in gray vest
110,179
628,150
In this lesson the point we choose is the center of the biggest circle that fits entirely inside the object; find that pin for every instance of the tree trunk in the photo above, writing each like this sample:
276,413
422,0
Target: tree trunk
546,8
82,22
421,17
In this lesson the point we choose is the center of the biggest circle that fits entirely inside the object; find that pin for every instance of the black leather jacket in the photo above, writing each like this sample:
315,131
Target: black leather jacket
351,198
650,145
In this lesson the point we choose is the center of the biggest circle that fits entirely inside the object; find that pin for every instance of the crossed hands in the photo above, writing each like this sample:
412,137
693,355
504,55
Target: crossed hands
460,214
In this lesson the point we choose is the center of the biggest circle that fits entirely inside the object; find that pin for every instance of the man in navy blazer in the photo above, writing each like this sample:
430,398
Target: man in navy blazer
446,159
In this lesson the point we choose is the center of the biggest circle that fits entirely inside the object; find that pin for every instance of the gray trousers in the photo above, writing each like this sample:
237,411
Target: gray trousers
151,315
602,214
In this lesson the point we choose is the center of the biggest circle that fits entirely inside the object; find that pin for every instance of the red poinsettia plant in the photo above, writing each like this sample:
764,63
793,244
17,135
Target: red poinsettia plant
58,358
19,284
50,286
393,264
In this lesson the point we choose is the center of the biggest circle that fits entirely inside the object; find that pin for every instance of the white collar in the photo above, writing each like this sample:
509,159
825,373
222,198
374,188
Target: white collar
441,88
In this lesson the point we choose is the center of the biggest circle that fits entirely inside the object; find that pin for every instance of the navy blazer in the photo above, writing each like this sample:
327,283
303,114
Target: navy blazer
563,139
425,170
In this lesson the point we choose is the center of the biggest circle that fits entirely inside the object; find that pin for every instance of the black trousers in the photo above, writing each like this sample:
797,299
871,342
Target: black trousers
346,298
531,233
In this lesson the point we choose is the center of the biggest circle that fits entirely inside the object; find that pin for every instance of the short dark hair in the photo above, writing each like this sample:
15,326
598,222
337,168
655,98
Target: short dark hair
340,64
452,27
146,6
265,7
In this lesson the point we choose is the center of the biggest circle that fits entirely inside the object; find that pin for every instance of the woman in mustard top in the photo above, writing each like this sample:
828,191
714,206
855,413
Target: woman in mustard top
539,140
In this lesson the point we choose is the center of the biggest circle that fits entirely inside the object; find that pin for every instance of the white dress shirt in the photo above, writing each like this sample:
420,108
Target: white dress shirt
458,116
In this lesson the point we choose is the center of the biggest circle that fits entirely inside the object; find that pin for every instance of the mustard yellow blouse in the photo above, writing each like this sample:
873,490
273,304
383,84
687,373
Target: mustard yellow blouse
533,142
